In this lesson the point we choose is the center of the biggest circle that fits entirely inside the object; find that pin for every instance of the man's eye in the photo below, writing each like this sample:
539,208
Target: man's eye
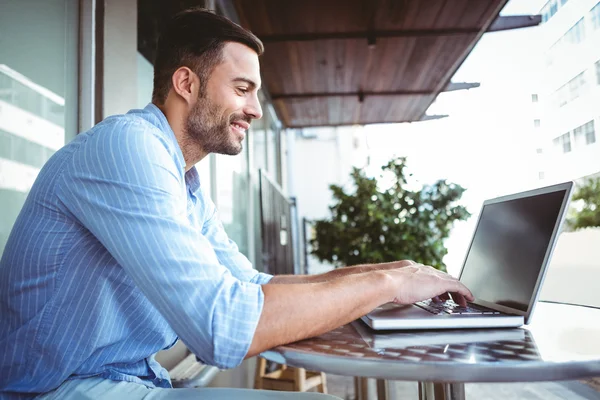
243,90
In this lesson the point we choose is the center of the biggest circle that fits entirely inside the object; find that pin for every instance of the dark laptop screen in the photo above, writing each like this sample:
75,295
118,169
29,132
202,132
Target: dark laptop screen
508,248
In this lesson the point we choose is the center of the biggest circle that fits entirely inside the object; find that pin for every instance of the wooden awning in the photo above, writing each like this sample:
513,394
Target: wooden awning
344,62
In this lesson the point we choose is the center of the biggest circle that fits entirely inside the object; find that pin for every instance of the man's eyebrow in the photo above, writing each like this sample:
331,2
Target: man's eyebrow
250,82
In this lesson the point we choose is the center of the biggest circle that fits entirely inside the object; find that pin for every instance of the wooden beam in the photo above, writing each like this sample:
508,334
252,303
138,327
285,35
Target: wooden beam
505,23
285,96
452,86
430,117
303,37
361,95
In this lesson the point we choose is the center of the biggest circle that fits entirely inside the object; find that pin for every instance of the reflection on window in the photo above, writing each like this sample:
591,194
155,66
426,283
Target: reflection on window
563,142
585,134
37,46
272,153
232,197
571,90
551,8
574,36
595,14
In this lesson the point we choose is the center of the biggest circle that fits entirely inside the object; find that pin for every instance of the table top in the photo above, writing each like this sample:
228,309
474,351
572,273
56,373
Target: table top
561,342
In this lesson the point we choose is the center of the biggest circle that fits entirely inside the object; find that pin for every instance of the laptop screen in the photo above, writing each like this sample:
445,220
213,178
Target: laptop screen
509,247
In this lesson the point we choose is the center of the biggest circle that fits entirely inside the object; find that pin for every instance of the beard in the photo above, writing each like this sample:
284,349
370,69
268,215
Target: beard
211,131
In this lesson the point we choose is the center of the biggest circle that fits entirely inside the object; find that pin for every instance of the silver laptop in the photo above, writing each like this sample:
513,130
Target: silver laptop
504,267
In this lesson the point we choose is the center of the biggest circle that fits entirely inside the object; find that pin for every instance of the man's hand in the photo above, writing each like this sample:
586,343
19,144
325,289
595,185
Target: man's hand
418,282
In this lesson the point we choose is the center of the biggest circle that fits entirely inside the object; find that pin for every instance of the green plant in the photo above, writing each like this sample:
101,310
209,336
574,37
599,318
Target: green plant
588,197
379,222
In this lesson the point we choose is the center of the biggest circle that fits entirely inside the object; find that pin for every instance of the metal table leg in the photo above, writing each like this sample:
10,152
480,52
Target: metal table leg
441,391
382,392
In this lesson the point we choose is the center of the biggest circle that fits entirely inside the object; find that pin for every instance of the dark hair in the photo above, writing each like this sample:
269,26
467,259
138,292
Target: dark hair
195,39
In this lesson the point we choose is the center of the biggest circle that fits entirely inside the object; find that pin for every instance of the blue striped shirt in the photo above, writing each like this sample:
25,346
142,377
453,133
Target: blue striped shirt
116,253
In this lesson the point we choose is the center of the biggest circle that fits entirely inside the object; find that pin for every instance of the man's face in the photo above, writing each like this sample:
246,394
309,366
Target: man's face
222,115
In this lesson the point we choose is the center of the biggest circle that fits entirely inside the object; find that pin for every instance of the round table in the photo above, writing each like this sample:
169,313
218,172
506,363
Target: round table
561,343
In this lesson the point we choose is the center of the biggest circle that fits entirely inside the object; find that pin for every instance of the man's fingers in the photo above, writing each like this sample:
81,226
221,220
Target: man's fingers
444,296
459,299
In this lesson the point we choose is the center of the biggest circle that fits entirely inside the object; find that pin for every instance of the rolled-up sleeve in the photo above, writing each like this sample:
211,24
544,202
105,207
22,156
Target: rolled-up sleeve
125,187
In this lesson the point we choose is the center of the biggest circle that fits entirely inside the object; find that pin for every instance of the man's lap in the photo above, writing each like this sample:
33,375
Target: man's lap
101,389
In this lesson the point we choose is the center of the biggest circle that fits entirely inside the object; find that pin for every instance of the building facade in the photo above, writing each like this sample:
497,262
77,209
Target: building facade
568,119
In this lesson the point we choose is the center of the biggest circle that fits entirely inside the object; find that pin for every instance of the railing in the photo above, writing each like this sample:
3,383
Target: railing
276,224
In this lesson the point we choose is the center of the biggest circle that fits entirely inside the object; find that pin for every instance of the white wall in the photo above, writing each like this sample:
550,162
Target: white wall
324,156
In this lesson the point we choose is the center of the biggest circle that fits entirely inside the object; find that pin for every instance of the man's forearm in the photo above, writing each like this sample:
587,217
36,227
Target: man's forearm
337,273
296,311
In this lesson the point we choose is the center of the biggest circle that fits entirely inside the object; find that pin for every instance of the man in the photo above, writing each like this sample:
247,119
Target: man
118,252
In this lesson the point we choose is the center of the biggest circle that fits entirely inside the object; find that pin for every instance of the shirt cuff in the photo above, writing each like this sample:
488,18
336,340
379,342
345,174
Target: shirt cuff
261,278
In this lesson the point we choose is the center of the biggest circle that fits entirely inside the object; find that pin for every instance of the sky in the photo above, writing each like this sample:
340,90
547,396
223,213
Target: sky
486,144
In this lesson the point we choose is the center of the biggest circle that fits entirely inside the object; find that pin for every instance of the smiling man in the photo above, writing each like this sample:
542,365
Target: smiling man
118,252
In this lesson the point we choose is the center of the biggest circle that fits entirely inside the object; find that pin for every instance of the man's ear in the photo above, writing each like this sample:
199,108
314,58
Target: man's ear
186,84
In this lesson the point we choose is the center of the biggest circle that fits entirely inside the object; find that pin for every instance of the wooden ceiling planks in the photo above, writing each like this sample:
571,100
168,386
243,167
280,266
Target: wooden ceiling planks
318,59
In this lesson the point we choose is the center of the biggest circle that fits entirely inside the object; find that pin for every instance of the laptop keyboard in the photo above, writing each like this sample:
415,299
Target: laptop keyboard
450,307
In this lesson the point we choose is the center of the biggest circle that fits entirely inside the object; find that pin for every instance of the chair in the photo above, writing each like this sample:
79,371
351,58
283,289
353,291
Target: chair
189,373
288,378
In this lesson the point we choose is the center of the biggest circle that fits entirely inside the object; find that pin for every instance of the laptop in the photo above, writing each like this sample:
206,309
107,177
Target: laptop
504,266
395,339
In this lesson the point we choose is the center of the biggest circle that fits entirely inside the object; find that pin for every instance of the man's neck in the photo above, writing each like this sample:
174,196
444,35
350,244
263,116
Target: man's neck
192,151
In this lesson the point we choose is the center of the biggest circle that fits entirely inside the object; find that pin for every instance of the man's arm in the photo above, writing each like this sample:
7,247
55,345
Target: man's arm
293,312
339,272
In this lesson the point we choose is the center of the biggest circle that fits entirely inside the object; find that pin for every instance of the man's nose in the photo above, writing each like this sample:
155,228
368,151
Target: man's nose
253,108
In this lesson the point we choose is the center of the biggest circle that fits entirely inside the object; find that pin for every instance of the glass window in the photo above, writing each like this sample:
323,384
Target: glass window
576,34
595,13
578,136
598,72
571,90
590,132
232,196
273,151
534,98
38,94
553,7
537,123
585,134
563,142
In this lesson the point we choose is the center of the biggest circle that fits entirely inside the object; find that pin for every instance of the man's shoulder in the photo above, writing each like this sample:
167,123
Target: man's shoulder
127,131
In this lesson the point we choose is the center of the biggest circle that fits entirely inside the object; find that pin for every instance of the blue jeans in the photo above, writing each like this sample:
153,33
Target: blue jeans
106,389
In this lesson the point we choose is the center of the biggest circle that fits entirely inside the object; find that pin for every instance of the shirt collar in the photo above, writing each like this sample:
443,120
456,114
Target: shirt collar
192,179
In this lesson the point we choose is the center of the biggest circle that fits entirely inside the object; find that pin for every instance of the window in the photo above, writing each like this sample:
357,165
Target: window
598,72
563,142
534,97
595,13
551,8
571,90
576,34
536,123
38,101
584,134
590,132
566,142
